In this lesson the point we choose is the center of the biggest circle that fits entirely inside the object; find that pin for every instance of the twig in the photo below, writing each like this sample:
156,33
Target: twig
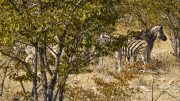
76,5
22,85
165,91
152,88
51,49
173,96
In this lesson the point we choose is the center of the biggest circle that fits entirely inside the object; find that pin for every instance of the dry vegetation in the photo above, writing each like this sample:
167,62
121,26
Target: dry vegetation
161,83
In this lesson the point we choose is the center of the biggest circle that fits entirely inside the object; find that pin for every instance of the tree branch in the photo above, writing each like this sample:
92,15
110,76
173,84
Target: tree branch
164,91
18,59
173,96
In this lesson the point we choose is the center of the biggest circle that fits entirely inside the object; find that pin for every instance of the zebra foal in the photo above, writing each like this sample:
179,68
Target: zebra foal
102,40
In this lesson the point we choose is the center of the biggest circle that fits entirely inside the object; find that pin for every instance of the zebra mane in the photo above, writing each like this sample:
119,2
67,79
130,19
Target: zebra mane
138,35
144,34
150,30
158,27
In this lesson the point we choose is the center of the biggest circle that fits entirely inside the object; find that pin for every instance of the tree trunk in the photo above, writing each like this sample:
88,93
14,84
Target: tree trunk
62,87
43,73
2,83
1,89
61,93
178,47
44,83
175,43
53,80
35,93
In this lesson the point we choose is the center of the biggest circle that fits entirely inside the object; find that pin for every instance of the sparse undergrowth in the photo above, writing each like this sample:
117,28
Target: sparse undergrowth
116,89
113,90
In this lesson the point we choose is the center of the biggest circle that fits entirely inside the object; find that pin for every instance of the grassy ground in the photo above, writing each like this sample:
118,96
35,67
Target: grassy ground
107,84
162,83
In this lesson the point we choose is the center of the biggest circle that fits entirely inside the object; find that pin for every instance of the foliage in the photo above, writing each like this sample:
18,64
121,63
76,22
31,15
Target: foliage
74,26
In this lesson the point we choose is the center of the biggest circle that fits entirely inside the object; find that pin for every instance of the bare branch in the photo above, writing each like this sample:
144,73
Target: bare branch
76,5
152,88
18,59
164,91
173,96
51,49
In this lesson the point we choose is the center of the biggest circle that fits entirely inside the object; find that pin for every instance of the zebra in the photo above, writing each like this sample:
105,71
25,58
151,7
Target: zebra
142,45
52,49
30,51
103,40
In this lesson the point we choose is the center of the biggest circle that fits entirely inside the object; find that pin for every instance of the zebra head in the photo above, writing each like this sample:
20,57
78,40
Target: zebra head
158,32
104,35
104,38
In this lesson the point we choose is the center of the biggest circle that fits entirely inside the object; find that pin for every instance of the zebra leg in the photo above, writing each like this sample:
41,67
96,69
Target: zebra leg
145,60
148,57
118,60
97,62
102,58
128,59
134,58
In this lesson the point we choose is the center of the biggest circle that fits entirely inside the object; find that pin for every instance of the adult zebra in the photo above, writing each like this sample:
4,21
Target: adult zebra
141,45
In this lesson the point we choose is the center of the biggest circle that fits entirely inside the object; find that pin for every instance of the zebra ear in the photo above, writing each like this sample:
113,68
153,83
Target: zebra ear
144,33
161,27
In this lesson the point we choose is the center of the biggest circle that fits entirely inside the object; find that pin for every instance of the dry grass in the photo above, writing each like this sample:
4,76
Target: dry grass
131,84
107,84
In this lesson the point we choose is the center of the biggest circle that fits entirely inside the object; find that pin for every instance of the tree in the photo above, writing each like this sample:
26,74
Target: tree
170,17
75,23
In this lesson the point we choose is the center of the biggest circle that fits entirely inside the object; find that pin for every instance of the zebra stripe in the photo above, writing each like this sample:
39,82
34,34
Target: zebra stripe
134,48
